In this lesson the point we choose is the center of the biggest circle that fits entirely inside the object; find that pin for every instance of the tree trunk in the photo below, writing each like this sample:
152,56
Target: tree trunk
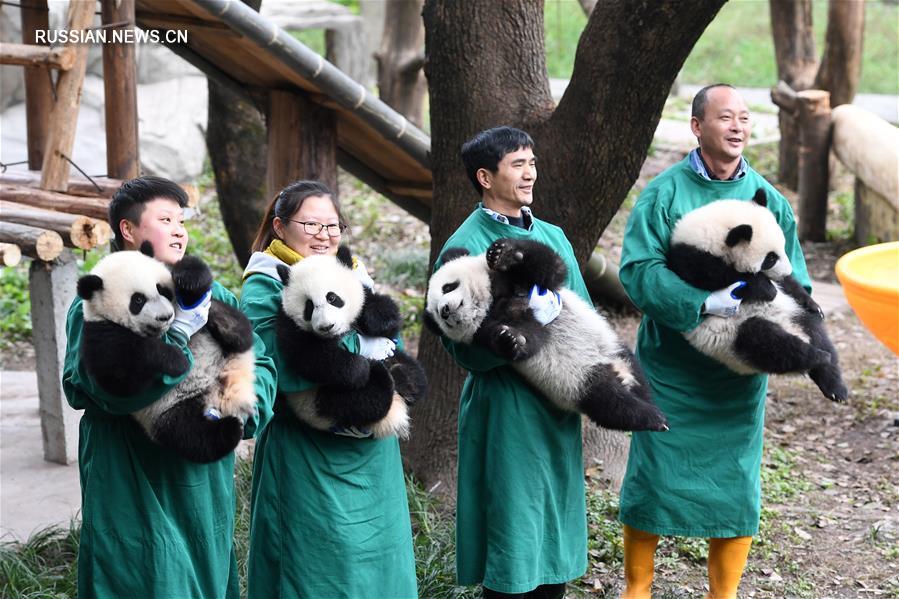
841,64
236,141
587,6
401,78
794,50
485,67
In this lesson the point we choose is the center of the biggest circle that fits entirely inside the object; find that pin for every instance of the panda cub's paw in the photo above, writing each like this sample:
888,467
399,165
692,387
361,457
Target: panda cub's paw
192,279
509,343
502,255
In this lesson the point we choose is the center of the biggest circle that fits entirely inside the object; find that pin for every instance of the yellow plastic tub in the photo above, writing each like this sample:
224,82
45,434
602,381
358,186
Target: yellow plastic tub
870,279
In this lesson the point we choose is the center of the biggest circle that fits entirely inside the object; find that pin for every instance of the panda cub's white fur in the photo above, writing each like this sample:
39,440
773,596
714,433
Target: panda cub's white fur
123,275
576,360
706,229
332,297
778,328
465,308
127,301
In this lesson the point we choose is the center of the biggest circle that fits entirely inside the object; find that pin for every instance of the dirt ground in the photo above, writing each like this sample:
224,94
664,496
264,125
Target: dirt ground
833,529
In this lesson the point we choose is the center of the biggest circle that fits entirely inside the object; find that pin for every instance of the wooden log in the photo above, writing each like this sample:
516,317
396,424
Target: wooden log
76,187
302,142
784,97
10,254
814,151
120,92
38,90
869,147
29,55
50,200
64,116
76,230
35,243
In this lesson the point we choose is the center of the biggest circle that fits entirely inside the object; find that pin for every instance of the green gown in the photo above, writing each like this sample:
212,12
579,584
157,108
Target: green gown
521,518
330,518
153,524
701,478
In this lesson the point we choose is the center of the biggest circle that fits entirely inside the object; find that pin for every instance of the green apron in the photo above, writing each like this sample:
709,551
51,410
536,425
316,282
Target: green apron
521,517
701,478
153,524
330,516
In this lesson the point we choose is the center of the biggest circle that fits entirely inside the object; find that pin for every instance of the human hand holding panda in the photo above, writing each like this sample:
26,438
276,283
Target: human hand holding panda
576,360
128,300
778,327
322,301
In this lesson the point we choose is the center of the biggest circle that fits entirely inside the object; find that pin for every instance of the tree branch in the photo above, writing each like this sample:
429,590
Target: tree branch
627,59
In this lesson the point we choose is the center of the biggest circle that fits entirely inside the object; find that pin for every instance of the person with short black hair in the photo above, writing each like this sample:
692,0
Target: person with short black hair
701,478
521,523
153,524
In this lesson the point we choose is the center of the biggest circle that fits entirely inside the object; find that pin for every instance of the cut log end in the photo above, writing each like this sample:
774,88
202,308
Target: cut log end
10,254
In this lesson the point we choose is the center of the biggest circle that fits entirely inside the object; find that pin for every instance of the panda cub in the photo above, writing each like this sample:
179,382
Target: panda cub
128,301
778,328
576,361
322,301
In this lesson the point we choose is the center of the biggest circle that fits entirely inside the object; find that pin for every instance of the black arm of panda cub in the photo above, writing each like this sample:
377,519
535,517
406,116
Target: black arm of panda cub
710,273
123,363
319,360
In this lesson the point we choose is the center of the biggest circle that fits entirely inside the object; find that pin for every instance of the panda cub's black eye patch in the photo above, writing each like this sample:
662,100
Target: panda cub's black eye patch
165,292
138,300
334,299
770,260
450,287
307,312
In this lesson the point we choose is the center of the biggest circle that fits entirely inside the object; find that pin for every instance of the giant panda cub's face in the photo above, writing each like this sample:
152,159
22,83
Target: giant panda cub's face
131,290
322,296
745,234
459,294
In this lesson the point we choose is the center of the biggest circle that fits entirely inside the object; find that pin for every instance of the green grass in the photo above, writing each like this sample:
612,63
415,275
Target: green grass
15,306
737,46
44,566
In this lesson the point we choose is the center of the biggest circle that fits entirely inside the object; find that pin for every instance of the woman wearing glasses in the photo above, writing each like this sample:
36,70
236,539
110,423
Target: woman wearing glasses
329,515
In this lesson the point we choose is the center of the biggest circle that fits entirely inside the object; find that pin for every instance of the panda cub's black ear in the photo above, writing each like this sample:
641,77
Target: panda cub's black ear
738,234
345,256
452,254
146,248
87,285
760,197
284,273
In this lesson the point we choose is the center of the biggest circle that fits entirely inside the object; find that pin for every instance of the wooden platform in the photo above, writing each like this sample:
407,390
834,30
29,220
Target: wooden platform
234,45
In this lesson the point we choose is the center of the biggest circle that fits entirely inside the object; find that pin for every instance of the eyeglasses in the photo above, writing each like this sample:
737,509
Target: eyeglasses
314,228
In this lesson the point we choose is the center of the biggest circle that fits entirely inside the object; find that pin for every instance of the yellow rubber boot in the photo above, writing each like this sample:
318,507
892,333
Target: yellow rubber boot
727,560
639,551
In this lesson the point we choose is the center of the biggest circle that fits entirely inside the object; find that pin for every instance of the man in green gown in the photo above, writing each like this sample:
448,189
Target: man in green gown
521,523
701,479
153,524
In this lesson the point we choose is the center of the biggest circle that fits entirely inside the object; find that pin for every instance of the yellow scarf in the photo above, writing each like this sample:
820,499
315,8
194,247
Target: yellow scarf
285,254
282,252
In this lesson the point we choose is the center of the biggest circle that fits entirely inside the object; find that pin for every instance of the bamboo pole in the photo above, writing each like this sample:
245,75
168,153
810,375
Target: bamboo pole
63,117
120,92
38,86
349,94
50,200
29,55
10,254
76,230
34,243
